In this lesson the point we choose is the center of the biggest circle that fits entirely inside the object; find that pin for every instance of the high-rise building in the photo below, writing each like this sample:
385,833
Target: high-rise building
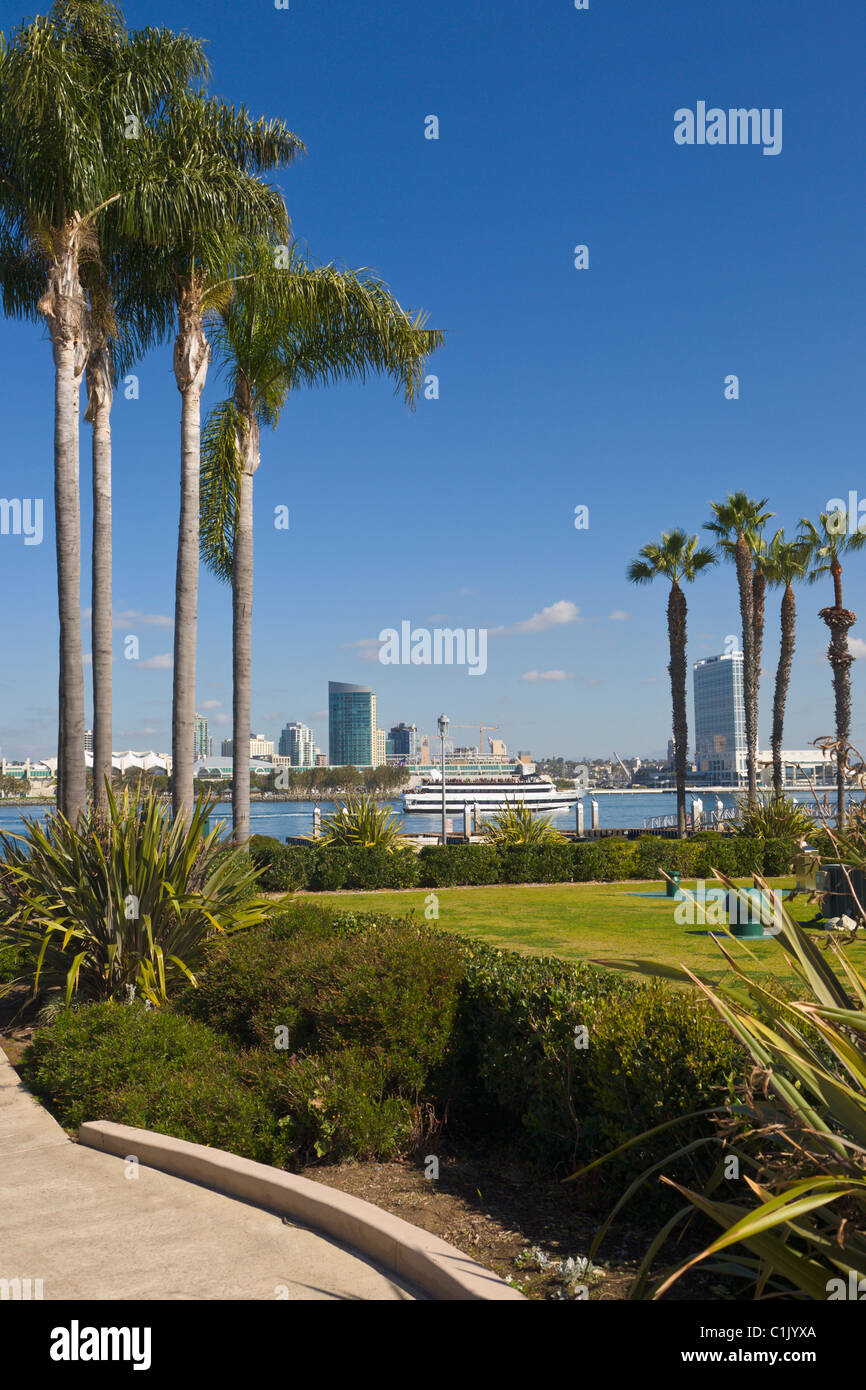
260,747
203,741
402,741
380,746
424,751
351,725
88,740
296,742
720,718
497,747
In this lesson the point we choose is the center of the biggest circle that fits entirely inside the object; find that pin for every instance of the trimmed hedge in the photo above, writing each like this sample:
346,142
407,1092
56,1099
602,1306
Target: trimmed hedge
319,868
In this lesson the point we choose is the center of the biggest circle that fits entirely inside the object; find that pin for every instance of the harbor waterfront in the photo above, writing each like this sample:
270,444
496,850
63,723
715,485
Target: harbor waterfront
617,810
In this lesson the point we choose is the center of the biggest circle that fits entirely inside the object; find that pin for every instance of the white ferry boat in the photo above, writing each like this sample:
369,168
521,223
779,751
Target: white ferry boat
488,794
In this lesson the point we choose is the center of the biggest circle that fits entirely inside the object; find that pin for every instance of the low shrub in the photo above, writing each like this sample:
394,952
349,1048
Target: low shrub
153,1069
333,1106
520,1066
385,984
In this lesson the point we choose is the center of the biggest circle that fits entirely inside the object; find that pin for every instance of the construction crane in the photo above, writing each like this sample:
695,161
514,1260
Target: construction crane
622,765
481,730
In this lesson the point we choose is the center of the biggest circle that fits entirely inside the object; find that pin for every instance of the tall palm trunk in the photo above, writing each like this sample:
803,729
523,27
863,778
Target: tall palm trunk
63,307
783,677
839,619
759,593
191,355
100,394
677,670
750,698
242,617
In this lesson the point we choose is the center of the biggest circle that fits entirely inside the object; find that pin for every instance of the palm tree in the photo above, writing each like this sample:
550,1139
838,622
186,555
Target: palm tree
827,544
67,83
189,269
738,524
679,557
287,327
783,564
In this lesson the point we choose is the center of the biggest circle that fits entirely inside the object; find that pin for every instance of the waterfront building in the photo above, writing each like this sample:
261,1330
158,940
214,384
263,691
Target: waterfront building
351,725
321,760
29,770
88,740
720,719
296,743
424,751
800,766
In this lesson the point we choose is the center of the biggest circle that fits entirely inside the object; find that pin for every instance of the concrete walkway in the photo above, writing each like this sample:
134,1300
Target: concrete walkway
70,1217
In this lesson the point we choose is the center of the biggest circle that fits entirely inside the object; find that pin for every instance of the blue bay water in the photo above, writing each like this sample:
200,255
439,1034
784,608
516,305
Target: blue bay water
619,811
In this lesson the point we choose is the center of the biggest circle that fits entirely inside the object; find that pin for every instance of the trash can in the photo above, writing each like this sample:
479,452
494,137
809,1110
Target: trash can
672,885
837,899
744,918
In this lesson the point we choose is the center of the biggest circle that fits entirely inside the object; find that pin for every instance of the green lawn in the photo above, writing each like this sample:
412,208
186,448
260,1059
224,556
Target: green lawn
583,921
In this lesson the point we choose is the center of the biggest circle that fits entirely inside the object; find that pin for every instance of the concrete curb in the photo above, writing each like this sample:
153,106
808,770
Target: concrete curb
437,1268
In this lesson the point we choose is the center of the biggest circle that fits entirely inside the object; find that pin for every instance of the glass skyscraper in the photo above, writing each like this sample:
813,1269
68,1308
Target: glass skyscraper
351,725
720,718
403,742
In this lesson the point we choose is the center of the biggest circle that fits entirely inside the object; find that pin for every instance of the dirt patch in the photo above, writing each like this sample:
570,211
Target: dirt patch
498,1215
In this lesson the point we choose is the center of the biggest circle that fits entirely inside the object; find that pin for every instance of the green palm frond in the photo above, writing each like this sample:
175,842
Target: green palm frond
219,486
678,557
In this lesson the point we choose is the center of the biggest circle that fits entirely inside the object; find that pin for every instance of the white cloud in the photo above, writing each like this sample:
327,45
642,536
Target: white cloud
163,662
857,647
556,615
547,676
368,648
131,615
210,704
619,615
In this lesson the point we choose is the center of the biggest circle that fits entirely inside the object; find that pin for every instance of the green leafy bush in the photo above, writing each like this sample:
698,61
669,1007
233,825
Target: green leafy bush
387,985
657,1056
335,1106
519,1069
153,1069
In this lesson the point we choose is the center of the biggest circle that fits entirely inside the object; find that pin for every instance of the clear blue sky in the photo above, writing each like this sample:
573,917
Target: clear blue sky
557,386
